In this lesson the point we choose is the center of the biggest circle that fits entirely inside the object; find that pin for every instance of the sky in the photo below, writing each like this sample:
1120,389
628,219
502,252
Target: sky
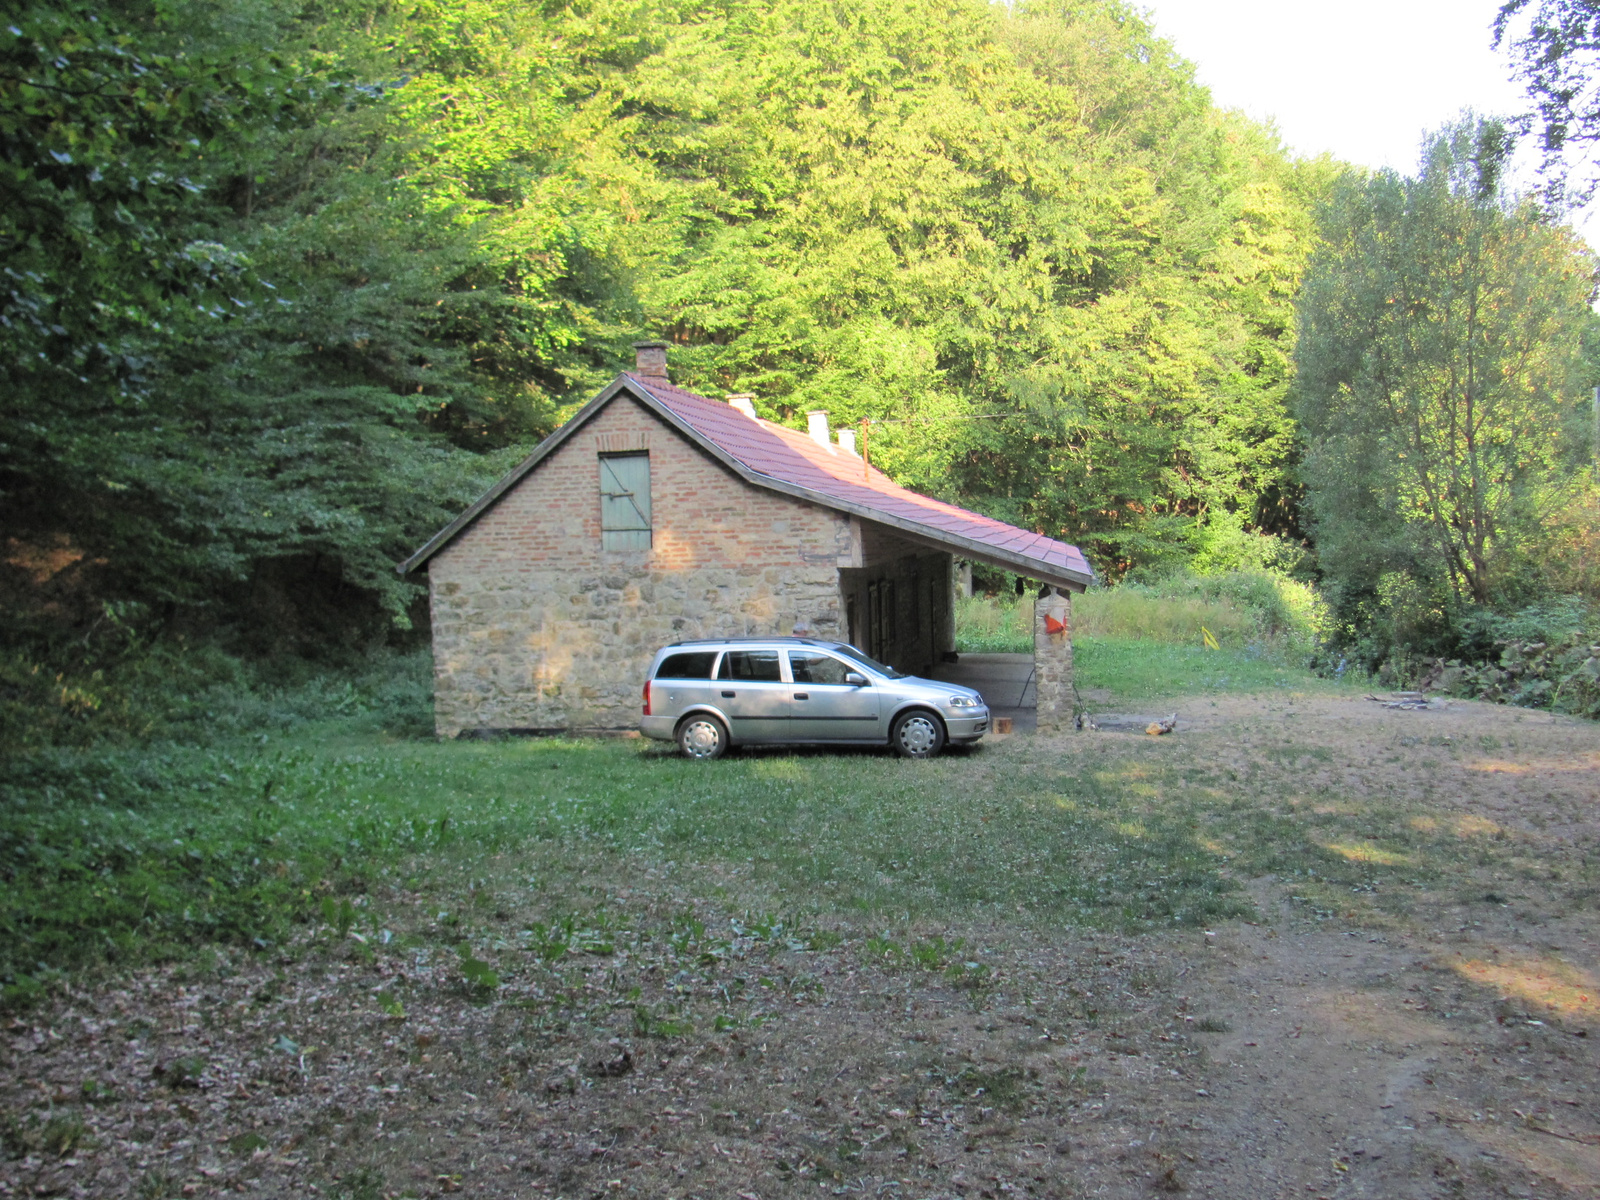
1362,79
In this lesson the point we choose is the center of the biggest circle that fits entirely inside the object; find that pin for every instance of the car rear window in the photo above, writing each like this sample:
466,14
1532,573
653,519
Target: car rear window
756,665
692,664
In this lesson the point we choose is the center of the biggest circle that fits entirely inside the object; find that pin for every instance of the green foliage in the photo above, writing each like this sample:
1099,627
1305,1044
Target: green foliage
1439,358
297,306
1020,241
339,915
247,1143
1543,655
58,1134
107,140
479,975
1241,609
1560,673
1572,527
201,694
1555,45
144,848
256,297
1440,368
361,1184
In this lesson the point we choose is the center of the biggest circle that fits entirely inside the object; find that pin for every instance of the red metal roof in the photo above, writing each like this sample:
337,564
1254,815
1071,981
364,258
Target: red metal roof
793,457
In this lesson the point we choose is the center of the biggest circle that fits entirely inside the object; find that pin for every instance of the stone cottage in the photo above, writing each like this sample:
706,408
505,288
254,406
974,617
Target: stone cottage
655,515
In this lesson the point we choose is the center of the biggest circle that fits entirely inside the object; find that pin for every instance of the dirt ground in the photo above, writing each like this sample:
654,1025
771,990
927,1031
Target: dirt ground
1445,1046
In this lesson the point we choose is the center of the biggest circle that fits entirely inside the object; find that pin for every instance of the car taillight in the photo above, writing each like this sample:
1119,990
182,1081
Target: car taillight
647,697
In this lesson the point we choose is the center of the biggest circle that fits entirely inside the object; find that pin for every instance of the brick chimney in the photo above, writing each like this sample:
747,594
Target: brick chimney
817,426
847,441
650,361
745,404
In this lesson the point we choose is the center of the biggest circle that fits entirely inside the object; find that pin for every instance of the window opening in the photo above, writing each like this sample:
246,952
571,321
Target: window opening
693,664
812,666
753,666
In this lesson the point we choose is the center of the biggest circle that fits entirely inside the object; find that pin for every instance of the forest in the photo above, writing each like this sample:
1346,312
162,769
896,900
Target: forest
288,282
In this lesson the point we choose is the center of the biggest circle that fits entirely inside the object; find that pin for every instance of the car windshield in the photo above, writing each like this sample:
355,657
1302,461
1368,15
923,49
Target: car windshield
852,652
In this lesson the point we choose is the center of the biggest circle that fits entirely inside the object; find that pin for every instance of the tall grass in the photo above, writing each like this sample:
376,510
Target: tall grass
1240,609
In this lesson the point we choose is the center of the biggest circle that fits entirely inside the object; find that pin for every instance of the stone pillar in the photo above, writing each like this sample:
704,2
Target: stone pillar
1052,660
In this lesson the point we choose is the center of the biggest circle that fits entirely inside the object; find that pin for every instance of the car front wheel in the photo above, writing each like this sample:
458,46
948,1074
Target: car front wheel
917,735
702,736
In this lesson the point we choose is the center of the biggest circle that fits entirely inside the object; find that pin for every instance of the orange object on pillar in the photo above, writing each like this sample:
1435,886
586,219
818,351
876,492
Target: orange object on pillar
1051,625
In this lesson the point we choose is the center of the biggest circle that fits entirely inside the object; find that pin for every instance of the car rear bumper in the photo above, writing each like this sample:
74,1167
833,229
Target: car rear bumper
660,728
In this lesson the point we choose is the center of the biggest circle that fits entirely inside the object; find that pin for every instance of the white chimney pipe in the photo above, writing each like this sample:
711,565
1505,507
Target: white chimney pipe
847,440
817,426
745,404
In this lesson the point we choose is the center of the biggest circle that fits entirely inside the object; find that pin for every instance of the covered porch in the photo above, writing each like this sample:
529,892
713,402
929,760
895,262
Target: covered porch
898,605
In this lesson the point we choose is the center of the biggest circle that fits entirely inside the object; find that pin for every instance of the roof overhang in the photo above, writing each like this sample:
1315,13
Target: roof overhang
928,535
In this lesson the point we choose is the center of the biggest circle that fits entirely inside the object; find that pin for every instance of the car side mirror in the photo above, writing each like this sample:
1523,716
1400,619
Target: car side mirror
855,679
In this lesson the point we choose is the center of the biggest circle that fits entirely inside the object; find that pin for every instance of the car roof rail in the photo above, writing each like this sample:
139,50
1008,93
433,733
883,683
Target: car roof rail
740,641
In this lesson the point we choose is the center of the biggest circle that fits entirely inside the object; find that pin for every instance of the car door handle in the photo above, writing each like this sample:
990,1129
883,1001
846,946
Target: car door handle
802,695
727,695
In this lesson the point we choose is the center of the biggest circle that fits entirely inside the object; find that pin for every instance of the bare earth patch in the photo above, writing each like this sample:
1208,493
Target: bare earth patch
1425,1024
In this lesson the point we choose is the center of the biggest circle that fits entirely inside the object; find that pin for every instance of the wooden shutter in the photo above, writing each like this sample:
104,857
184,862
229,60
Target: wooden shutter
625,501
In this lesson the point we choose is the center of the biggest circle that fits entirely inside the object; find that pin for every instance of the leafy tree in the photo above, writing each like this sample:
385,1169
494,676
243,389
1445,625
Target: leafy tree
1556,47
1440,345
256,296
110,257
105,150
317,266
1022,242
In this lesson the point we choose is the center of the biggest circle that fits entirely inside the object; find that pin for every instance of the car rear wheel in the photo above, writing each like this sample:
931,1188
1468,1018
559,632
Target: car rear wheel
917,734
702,736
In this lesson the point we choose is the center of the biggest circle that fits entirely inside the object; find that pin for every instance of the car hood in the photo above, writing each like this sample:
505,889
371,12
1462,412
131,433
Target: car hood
932,687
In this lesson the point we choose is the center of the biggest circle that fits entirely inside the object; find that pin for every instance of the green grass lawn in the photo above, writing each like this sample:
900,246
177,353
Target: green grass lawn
393,940
131,854
1132,670
242,847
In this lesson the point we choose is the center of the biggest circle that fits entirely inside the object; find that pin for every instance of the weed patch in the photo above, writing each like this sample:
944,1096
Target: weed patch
1237,609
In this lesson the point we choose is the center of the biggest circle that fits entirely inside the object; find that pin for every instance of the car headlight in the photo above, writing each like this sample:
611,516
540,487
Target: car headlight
966,701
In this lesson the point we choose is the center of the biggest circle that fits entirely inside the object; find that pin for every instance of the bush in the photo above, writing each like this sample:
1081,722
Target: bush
189,693
1563,675
1571,563
1539,655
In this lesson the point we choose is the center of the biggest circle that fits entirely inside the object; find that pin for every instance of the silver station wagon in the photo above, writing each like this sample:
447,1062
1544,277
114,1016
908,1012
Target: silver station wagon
710,695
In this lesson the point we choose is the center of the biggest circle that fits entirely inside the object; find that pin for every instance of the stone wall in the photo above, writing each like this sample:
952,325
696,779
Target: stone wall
1052,661
535,627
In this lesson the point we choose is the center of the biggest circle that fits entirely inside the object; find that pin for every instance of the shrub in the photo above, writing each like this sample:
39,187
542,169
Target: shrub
1563,675
197,693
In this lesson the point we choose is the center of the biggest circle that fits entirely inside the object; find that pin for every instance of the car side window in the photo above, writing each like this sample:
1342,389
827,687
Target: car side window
752,666
812,666
695,664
